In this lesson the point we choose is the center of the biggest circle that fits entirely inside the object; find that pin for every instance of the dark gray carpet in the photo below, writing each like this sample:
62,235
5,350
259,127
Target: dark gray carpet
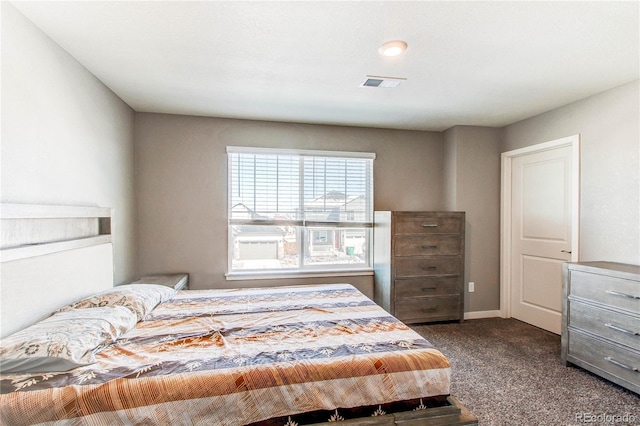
509,373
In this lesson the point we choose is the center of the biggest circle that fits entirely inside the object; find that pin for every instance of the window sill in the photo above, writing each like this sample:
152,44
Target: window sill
262,275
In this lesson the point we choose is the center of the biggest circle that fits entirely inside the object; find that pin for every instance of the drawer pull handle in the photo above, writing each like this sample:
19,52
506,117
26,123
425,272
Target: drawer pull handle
429,268
617,293
427,310
619,364
428,288
429,247
429,225
622,330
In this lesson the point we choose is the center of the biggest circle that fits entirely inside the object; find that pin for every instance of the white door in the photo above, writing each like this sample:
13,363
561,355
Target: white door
543,195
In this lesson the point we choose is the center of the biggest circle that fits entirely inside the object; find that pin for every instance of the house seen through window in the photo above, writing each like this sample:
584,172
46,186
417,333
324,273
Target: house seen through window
299,210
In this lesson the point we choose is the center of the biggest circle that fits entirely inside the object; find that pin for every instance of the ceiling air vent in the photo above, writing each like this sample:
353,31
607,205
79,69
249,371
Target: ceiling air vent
386,82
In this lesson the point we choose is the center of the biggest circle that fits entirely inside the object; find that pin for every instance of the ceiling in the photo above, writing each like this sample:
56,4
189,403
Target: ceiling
468,63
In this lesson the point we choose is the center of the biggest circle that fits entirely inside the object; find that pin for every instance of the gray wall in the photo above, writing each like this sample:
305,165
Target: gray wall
472,185
609,127
181,178
66,138
181,183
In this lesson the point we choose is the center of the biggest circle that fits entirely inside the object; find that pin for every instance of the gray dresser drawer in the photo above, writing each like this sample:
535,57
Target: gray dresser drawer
421,266
616,292
428,309
428,225
601,320
605,323
418,259
427,245
610,359
427,286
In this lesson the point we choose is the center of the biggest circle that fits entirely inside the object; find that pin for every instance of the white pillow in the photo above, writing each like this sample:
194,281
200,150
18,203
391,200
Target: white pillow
65,340
139,298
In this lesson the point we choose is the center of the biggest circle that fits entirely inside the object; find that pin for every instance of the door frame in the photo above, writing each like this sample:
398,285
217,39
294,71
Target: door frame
506,207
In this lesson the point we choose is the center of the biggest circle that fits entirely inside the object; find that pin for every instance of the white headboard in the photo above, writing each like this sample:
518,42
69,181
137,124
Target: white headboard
50,256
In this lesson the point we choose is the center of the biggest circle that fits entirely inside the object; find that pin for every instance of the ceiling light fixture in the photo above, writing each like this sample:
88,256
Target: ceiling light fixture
393,48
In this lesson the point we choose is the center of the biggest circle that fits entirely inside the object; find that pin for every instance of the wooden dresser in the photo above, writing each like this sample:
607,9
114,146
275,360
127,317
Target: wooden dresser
419,265
601,320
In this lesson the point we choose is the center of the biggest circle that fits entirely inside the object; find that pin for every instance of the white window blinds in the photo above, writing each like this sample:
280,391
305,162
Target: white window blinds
300,187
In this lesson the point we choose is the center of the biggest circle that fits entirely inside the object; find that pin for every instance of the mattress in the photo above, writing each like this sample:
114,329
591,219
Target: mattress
242,356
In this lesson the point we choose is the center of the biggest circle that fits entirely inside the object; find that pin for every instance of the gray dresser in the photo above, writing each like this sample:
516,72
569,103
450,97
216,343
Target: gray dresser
601,320
419,265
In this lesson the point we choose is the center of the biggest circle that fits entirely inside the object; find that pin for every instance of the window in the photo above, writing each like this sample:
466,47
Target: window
299,210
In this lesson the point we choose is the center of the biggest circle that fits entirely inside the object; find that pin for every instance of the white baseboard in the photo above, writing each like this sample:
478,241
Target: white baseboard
482,314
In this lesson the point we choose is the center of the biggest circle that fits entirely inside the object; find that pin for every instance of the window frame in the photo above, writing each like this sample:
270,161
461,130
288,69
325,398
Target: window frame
303,226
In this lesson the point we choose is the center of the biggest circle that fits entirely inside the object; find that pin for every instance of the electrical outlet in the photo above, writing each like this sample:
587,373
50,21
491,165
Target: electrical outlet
472,287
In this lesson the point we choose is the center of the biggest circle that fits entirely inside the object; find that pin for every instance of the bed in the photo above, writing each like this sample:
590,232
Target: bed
288,355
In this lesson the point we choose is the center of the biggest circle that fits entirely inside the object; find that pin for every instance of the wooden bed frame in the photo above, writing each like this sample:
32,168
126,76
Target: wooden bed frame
50,256
453,415
53,255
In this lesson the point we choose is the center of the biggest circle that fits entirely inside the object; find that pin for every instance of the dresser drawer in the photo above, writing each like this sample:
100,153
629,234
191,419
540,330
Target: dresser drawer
428,225
615,292
419,264
427,245
424,266
608,324
428,309
611,359
427,286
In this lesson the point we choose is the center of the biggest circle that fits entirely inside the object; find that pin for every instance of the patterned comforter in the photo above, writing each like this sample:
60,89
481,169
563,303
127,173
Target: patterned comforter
234,357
